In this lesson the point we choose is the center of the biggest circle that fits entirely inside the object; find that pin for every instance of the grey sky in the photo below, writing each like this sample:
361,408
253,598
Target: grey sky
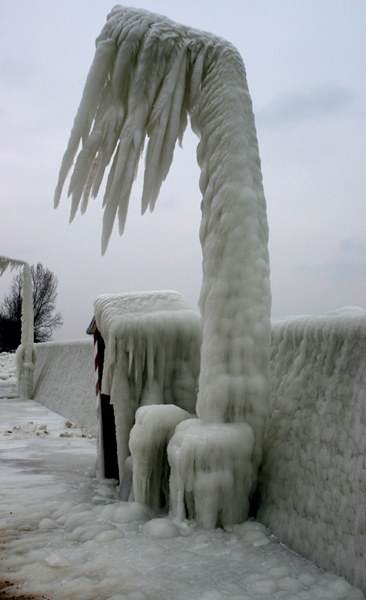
305,61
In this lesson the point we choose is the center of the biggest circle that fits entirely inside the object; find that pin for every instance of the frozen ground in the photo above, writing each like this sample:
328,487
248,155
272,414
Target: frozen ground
65,535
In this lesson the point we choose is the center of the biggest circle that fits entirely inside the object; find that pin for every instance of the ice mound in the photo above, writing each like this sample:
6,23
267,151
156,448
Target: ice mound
211,472
154,426
160,528
253,533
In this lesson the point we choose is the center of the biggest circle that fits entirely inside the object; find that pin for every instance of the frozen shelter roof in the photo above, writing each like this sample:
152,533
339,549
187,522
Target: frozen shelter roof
121,315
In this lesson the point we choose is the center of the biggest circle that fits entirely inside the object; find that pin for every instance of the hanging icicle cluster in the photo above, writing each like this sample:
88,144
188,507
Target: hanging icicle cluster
144,80
12,263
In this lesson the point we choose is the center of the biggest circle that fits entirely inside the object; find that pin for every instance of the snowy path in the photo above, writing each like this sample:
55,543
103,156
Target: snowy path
65,535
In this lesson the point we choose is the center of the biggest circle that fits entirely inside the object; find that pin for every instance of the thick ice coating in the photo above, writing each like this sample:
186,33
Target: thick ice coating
153,429
152,355
211,472
148,75
313,476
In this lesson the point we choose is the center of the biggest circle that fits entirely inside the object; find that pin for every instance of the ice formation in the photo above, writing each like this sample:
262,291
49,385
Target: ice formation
26,353
149,438
152,355
313,477
211,472
148,75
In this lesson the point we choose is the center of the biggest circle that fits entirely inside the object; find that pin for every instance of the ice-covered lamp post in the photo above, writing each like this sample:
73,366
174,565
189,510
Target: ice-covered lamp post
26,354
147,76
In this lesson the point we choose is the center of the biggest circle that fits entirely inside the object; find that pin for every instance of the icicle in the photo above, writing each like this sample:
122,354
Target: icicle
12,263
84,118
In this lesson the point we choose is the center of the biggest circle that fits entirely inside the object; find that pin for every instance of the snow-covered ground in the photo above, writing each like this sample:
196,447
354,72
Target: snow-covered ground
66,535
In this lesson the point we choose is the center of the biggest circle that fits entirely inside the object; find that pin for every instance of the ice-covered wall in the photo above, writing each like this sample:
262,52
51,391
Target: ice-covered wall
313,479
64,381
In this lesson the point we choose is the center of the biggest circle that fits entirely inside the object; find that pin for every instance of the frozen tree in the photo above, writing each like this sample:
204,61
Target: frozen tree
148,75
26,355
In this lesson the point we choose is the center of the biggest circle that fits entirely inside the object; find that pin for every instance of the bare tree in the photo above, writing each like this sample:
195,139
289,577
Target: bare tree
44,306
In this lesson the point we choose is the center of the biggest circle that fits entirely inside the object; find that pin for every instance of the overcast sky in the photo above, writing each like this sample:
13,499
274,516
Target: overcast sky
305,62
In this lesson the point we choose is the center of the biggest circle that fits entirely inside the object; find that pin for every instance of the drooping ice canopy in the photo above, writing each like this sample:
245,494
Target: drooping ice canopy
148,75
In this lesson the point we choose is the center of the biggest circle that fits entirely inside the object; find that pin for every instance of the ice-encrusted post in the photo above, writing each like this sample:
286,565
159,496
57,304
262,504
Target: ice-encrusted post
26,353
148,75
235,296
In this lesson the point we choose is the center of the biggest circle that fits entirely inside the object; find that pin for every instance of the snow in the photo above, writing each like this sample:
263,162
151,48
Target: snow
152,355
148,75
314,470
68,535
8,376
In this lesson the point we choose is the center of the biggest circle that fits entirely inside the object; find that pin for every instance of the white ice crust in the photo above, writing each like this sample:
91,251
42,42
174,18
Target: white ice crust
211,472
153,429
152,355
313,481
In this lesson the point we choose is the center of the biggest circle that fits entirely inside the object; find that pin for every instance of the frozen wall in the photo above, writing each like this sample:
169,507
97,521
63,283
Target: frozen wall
313,480
64,381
